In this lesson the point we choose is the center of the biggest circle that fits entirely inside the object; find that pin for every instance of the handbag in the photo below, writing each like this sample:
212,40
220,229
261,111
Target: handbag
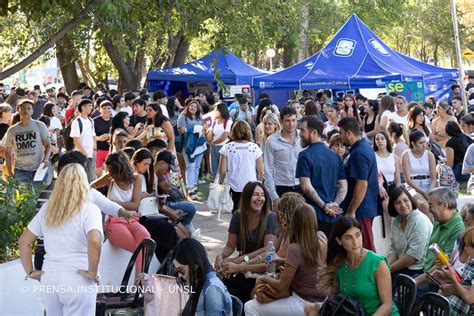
175,194
149,207
342,305
164,295
219,197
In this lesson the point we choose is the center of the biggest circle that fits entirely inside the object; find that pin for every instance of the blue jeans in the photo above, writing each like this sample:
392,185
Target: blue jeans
26,177
460,177
192,170
188,208
215,156
90,169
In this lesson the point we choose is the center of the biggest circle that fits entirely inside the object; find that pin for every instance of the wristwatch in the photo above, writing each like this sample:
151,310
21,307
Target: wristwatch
246,259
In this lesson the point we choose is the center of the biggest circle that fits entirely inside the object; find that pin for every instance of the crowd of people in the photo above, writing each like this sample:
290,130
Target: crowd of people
317,171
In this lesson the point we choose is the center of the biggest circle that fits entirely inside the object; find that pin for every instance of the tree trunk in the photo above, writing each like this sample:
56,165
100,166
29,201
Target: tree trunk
303,47
173,42
181,51
66,56
288,50
128,79
435,54
49,43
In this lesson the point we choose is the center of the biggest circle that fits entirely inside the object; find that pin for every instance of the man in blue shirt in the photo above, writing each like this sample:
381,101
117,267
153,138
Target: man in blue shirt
321,174
362,196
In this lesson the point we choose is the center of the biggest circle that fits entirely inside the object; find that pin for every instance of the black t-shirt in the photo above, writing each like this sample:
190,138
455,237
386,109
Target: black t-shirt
459,145
3,129
135,119
102,127
252,244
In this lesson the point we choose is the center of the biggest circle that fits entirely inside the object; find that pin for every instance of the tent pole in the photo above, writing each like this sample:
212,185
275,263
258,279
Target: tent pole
458,53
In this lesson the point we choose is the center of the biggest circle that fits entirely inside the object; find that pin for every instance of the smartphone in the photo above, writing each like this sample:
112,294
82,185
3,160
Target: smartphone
433,279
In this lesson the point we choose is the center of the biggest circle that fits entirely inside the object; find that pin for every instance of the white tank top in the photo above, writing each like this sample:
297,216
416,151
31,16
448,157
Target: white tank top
419,166
386,165
118,195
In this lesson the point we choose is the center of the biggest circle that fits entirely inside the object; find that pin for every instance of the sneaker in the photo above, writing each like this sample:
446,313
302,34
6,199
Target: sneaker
201,181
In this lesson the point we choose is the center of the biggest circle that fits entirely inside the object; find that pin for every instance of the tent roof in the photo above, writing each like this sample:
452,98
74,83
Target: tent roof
354,58
231,70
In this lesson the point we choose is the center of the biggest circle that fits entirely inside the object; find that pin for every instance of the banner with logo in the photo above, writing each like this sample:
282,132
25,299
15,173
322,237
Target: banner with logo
411,90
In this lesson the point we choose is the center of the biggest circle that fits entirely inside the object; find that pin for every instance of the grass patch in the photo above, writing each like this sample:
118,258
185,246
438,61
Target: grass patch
203,189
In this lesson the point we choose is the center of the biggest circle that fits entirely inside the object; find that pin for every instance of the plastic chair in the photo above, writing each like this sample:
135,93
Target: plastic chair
404,293
123,299
237,306
432,304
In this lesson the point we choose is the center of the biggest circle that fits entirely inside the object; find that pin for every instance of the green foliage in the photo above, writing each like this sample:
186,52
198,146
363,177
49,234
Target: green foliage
17,208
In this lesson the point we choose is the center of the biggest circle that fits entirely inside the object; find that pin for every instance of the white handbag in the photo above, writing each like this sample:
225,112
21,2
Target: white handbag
219,198
149,207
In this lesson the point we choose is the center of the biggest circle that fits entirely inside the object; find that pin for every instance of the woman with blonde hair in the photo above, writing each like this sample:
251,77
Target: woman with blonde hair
239,155
288,294
72,231
270,124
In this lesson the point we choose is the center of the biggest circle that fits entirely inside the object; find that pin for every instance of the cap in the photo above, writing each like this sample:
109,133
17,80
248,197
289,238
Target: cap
167,157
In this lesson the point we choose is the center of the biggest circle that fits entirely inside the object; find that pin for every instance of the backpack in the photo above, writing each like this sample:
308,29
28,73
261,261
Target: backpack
446,176
68,140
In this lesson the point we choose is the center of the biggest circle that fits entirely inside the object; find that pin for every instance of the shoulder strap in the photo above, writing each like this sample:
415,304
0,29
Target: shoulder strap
80,124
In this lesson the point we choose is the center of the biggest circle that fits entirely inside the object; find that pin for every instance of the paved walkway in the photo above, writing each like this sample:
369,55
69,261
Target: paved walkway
213,231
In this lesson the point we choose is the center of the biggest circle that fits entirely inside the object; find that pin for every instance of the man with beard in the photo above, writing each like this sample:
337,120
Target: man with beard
361,201
321,174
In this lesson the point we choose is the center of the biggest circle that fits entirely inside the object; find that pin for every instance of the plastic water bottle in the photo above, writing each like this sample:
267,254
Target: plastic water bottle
269,258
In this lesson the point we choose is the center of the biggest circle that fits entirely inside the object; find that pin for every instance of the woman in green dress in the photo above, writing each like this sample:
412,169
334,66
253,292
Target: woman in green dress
357,272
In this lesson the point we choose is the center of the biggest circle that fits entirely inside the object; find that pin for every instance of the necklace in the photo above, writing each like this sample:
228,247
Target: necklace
353,276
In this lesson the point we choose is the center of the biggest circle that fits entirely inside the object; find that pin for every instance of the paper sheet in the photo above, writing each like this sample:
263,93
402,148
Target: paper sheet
41,172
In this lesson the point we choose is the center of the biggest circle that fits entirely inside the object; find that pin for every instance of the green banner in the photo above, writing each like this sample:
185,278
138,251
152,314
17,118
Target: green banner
411,90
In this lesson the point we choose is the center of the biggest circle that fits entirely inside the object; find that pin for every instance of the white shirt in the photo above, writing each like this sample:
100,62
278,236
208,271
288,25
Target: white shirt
386,165
241,163
86,137
394,117
66,245
128,109
164,110
55,123
218,129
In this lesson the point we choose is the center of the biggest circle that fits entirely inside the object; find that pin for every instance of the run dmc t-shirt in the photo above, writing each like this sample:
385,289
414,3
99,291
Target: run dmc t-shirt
27,142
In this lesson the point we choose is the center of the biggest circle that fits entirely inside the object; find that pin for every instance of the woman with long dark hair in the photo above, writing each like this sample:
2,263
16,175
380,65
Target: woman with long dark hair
417,121
358,272
350,108
250,230
158,127
387,107
371,110
305,256
388,164
217,134
209,296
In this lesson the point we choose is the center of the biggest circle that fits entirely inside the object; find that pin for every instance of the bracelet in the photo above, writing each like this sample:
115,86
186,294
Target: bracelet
324,206
28,275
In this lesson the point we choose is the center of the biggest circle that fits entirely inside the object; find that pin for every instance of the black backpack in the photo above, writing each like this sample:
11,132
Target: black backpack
68,140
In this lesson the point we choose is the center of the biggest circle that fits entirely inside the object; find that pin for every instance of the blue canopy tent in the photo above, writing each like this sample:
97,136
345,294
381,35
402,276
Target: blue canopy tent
356,58
230,70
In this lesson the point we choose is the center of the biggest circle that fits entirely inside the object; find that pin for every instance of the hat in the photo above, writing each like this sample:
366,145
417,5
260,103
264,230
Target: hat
167,157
